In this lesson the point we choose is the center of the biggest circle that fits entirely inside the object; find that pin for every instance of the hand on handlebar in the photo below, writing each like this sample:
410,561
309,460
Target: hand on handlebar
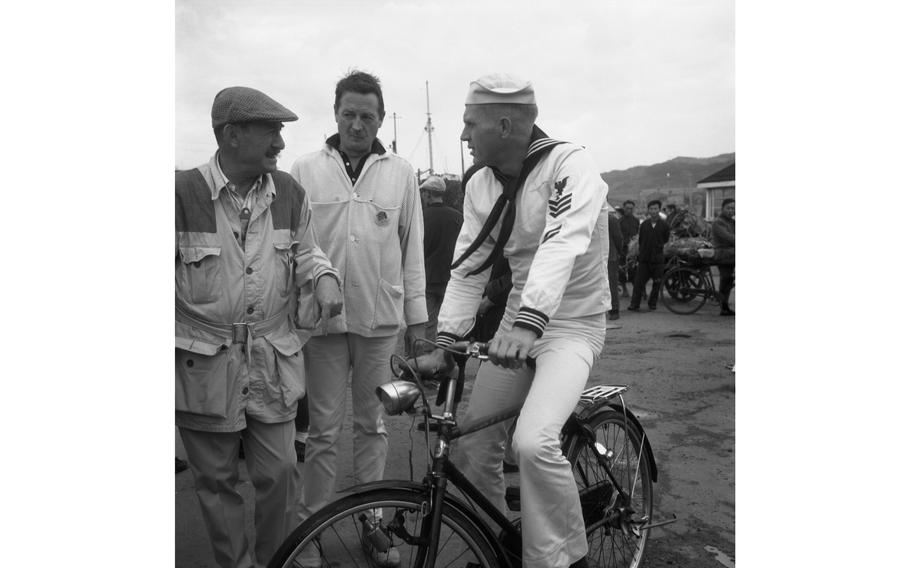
510,349
432,363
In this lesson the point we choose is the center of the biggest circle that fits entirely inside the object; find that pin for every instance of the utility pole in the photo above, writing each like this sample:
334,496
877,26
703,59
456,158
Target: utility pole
429,128
461,153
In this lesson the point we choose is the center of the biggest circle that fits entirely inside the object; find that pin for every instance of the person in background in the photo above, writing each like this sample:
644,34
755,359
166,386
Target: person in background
368,219
441,225
628,225
245,241
723,234
613,265
672,212
653,234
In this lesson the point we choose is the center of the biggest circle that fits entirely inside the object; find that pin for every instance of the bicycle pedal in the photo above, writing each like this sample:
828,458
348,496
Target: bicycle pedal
513,498
434,426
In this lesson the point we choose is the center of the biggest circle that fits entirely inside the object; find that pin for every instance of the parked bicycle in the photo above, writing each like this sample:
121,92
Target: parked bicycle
688,286
427,525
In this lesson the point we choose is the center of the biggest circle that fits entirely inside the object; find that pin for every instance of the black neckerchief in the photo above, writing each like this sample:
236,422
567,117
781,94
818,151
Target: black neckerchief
540,146
354,173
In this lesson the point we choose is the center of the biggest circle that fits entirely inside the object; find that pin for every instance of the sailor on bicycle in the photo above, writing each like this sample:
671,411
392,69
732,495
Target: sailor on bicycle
542,204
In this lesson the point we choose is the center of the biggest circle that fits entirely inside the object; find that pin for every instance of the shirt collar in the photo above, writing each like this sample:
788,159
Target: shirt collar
335,142
264,182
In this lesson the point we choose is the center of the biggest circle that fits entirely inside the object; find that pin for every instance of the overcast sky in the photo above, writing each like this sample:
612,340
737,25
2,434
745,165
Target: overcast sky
636,81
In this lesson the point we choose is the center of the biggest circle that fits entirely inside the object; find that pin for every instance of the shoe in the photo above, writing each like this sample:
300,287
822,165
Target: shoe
372,536
633,308
181,465
614,315
652,308
300,448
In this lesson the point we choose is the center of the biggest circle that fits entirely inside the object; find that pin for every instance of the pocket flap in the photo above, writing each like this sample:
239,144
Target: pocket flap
393,290
195,254
284,342
285,246
196,346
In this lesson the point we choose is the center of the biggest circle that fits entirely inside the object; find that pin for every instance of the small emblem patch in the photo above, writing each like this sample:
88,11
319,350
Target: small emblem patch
382,219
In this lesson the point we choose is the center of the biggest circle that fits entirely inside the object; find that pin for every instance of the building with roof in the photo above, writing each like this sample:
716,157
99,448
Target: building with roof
717,187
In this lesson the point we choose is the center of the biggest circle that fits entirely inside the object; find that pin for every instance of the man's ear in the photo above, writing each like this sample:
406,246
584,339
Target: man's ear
505,127
229,135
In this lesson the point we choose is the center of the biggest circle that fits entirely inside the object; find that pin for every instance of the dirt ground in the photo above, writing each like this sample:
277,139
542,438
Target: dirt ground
682,389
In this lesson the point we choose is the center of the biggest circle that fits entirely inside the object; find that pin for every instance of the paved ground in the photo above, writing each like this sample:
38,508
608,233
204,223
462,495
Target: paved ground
683,391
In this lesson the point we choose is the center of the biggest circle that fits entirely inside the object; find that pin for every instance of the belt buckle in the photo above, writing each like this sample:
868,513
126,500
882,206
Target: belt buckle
239,332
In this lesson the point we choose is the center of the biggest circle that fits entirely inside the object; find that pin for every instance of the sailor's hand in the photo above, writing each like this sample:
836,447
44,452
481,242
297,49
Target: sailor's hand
431,363
510,349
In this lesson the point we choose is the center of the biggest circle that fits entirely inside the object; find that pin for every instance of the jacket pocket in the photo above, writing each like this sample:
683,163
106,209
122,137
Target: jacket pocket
284,266
200,273
287,369
202,378
389,305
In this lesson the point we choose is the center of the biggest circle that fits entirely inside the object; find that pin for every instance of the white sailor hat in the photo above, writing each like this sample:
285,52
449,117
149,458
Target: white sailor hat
500,88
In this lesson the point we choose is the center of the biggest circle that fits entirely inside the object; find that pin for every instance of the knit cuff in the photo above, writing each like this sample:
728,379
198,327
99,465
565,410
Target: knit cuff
529,318
444,339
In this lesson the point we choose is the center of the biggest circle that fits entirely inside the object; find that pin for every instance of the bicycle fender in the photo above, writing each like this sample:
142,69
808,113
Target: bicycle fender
634,420
450,500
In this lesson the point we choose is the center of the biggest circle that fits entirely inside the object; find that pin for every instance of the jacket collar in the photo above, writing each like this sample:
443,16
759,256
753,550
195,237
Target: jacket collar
335,142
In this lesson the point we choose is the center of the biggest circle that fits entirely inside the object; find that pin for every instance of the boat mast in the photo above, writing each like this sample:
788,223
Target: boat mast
429,128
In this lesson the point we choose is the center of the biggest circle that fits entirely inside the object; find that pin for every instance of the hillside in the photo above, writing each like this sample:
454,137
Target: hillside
642,182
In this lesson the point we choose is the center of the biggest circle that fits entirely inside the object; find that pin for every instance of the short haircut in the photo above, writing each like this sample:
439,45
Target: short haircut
523,114
727,201
671,206
654,202
362,83
628,202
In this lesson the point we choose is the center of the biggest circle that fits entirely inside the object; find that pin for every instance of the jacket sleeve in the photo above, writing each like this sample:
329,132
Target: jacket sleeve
576,200
723,236
310,260
410,235
463,293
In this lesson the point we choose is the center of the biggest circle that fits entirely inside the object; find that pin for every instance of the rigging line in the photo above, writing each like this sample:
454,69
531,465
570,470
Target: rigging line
416,146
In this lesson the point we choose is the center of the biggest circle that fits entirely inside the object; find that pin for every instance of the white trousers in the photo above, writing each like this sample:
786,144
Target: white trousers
552,527
330,360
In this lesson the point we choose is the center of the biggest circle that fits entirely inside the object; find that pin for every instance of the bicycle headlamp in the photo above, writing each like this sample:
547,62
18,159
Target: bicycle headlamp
398,396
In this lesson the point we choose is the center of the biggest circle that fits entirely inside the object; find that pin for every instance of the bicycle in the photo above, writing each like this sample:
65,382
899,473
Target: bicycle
688,286
429,526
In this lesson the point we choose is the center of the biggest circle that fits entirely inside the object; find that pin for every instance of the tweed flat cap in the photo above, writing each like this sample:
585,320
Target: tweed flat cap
243,104
434,184
500,88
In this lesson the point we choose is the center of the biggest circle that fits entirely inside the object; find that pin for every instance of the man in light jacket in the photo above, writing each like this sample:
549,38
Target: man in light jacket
368,219
245,242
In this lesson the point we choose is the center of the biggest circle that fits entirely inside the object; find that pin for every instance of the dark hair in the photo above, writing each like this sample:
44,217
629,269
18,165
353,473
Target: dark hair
671,206
359,82
654,202
726,201
627,202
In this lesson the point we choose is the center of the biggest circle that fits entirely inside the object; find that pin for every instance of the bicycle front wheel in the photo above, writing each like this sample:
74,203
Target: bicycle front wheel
613,514
684,290
334,535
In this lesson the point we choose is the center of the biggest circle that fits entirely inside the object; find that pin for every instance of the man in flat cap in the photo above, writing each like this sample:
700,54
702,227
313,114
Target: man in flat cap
367,217
441,226
542,204
244,243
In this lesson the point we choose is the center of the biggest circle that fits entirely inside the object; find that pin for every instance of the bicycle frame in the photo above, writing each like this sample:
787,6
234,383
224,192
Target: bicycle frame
442,470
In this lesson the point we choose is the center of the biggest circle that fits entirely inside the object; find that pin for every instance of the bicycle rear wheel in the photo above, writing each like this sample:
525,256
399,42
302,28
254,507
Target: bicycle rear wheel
610,515
333,536
684,290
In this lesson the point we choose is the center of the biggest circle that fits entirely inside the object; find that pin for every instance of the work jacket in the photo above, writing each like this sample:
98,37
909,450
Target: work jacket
372,230
226,372
557,251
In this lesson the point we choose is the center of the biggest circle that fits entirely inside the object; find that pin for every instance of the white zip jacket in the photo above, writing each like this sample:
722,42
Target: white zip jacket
373,233
558,249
